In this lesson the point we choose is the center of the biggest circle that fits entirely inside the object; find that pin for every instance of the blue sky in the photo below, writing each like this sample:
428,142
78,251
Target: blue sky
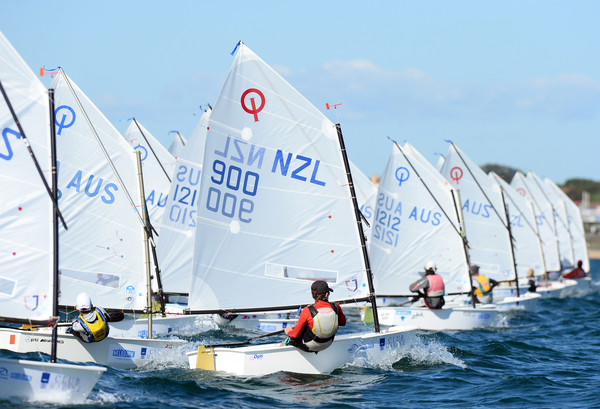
511,82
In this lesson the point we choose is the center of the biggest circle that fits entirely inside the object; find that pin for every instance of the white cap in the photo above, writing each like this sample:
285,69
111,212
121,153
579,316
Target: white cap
430,266
84,302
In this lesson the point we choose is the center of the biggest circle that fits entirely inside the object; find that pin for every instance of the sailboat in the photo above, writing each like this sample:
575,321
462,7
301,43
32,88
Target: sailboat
417,219
29,277
530,187
177,144
487,223
104,253
577,232
277,211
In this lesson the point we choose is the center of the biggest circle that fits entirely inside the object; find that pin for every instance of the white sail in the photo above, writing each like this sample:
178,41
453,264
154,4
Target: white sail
545,220
440,163
176,242
25,206
485,218
561,221
410,227
157,165
102,253
527,244
177,144
575,226
366,192
275,210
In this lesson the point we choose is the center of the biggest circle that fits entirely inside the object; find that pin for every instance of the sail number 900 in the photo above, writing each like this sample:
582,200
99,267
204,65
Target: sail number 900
227,203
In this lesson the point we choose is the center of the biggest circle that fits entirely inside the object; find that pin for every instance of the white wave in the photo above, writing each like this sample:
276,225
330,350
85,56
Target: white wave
432,352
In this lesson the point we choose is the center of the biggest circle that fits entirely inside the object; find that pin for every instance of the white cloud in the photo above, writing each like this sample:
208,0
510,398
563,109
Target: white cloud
369,90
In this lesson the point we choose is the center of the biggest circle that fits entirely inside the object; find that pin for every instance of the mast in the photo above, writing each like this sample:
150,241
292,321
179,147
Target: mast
138,155
361,234
512,247
55,280
461,224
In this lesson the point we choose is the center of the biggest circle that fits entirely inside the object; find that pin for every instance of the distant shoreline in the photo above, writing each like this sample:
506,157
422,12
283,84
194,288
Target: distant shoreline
594,254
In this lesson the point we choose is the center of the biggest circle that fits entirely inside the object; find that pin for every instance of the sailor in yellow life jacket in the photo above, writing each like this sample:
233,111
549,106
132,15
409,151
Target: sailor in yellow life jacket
92,323
482,286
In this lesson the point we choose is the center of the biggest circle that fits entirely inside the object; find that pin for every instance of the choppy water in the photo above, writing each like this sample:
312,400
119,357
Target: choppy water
547,359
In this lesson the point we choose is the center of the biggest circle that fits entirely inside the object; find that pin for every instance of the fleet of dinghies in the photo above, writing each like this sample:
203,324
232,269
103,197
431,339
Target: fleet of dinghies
234,224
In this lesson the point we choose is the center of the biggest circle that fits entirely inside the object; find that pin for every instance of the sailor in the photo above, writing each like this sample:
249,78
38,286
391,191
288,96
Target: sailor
433,285
482,285
318,323
92,323
579,272
531,281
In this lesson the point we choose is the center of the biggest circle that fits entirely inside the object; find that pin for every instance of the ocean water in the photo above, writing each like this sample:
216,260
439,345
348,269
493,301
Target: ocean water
546,359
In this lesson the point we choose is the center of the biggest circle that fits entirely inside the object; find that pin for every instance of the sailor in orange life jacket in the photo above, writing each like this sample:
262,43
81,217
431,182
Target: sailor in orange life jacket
318,323
482,286
433,285
579,272
92,323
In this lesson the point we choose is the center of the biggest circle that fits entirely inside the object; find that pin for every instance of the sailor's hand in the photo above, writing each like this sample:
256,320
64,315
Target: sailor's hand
288,330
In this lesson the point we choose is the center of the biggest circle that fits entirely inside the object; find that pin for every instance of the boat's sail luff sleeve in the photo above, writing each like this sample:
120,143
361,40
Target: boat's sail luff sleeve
274,211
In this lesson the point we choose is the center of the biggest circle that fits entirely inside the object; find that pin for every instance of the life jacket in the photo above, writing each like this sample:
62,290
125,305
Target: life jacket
98,330
325,325
483,284
436,286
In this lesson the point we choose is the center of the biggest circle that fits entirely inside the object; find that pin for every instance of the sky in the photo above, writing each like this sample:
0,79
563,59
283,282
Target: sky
509,82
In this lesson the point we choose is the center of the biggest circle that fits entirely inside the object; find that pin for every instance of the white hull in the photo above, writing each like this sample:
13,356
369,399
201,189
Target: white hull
47,382
555,289
124,353
270,358
525,302
448,318
582,286
550,289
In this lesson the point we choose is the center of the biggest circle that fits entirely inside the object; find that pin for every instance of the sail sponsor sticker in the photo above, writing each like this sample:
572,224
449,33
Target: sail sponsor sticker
130,353
62,382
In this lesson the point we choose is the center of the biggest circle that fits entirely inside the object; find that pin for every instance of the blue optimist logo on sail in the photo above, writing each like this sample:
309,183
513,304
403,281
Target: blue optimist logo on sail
402,175
65,117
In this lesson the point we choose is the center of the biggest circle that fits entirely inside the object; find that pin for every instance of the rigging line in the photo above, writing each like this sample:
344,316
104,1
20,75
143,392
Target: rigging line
32,155
538,206
181,137
556,213
465,242
112,166
150,146
480,188
522,214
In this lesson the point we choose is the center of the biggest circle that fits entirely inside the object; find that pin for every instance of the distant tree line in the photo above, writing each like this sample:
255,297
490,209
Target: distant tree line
575,186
